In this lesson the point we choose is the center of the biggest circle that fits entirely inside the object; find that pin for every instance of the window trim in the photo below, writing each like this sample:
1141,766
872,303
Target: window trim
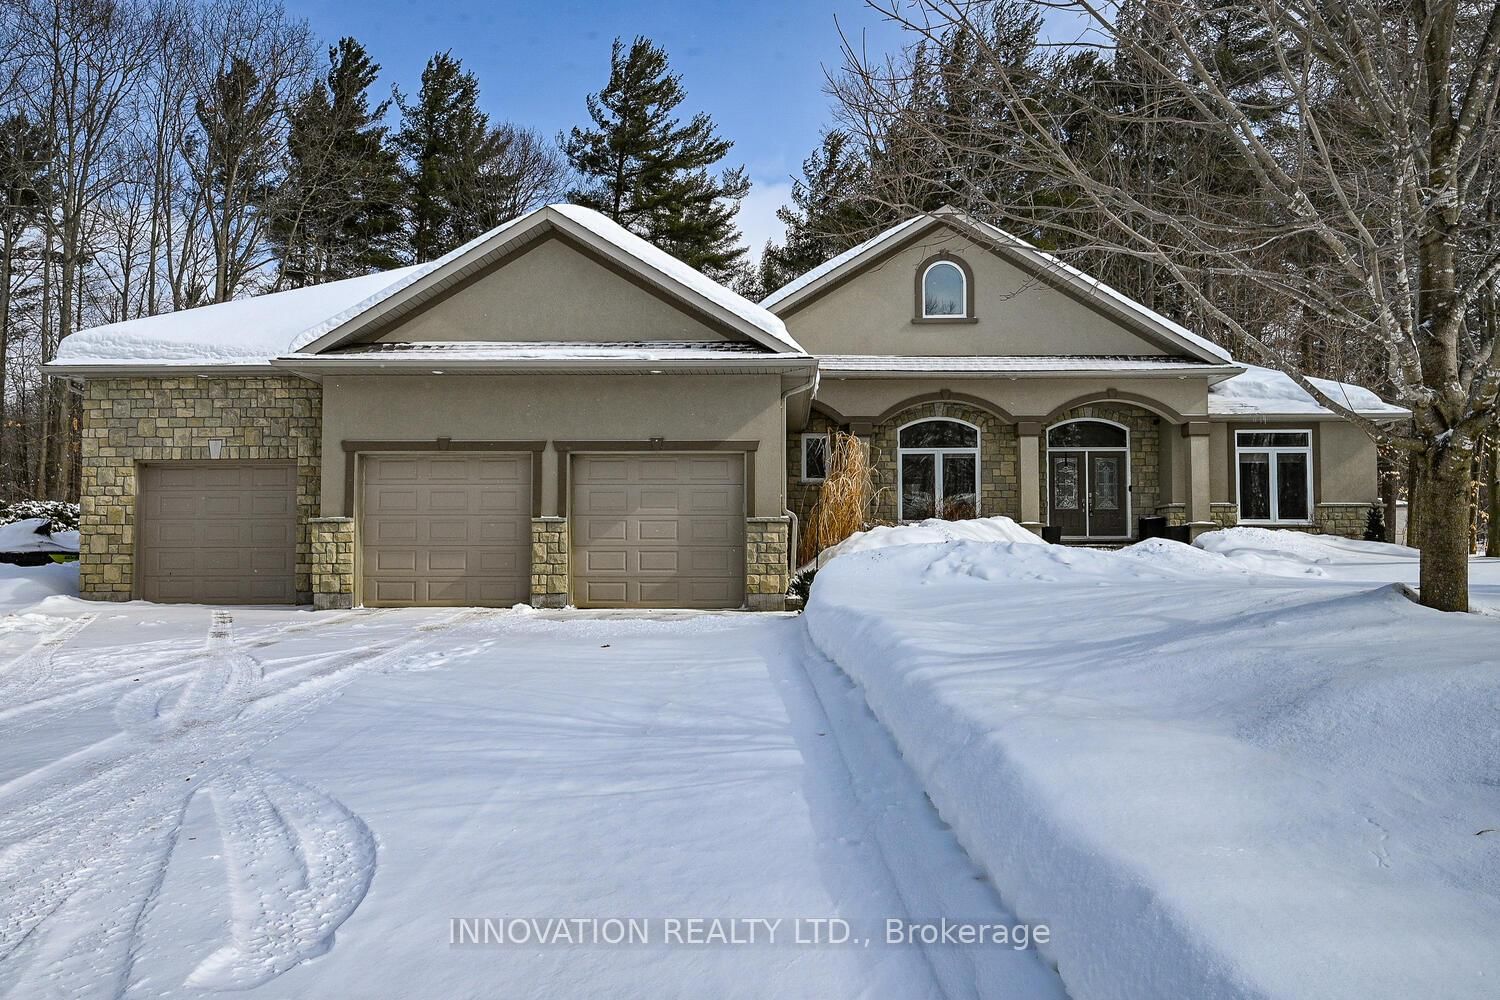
919,308
827,443
1272,451
1088,520
937,468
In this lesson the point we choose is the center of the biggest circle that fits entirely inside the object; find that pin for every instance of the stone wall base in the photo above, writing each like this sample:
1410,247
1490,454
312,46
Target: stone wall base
766,574
549,562
332,541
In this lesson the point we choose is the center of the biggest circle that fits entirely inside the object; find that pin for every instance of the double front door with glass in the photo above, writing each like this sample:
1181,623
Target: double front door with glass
1086,493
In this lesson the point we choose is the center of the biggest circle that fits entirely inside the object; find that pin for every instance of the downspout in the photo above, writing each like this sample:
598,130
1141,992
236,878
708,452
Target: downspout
796,524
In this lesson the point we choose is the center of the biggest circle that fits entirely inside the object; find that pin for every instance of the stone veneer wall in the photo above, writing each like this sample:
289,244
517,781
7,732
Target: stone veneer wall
549,562
801,496
999,482
126,421
1346,519
766,573
332,562
1145,454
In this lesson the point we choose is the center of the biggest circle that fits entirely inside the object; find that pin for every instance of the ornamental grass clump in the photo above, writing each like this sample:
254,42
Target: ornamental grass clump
846,499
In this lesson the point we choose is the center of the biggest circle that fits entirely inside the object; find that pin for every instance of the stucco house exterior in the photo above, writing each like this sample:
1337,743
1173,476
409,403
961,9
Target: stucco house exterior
560,413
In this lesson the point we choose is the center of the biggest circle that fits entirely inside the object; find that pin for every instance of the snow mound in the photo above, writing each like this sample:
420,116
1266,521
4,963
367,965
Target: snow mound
23,586
1208,781
34,535
933,530
1266,391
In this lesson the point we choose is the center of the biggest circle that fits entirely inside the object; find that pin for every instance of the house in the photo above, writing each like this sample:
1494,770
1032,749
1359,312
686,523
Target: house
560,413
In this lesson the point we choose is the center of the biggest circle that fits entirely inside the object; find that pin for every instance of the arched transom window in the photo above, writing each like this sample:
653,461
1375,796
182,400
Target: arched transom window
945,291
1088,478
938,469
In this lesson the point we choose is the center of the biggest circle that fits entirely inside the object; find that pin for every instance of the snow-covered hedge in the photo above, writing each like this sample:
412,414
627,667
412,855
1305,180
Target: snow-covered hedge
62,516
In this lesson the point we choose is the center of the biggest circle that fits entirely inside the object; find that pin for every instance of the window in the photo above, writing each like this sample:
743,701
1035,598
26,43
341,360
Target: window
814,457
1274,469
938,470
945,291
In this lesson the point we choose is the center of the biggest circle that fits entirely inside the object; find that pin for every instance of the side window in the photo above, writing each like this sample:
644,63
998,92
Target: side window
1274,469
814,457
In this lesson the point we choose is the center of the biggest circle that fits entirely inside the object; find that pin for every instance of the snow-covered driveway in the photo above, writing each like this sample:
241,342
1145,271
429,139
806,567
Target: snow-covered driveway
300,804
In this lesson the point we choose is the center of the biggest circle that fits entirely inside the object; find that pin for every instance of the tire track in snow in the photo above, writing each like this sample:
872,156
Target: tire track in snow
85,843
35,666
170,663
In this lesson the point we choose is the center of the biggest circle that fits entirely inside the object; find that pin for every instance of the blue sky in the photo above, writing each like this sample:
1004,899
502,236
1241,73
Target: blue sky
756,67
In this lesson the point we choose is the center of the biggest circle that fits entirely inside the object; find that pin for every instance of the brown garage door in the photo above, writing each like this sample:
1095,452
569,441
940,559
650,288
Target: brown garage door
218,532
446,529
657,530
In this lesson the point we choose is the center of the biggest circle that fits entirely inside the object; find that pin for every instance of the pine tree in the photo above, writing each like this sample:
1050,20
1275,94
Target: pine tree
644,168
341,207
458,185
830,212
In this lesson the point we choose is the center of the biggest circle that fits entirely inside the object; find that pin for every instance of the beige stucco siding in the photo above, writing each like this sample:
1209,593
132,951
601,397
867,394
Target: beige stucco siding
1023,398
558,408
1017,314
1344,460
551,293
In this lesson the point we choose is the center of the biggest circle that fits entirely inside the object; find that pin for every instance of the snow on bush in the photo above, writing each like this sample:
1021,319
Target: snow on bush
60,515
1209,781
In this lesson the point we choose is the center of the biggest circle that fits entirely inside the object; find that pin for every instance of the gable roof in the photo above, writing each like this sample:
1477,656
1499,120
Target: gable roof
1041,265
307,321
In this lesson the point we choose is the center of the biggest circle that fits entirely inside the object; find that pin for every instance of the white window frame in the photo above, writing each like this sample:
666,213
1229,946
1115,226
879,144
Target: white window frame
827,444
1088,508
963,297
1272,451
937,466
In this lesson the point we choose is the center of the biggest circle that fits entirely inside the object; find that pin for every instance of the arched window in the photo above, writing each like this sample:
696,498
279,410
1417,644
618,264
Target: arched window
938,470
945,291
1088,478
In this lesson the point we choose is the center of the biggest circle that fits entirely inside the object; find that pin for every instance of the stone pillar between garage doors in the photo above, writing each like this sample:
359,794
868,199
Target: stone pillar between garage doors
549,562
332,562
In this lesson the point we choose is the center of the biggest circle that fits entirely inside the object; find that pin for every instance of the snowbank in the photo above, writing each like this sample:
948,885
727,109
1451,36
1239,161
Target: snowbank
23,586
1208,781
1268,392
979,529
34,534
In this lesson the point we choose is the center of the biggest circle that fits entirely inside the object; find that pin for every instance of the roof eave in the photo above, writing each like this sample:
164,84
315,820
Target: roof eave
1214,373
439,365
155,369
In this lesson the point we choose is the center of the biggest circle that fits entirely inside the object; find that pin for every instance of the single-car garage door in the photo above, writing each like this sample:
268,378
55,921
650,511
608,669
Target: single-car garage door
218,532
658,530
446,529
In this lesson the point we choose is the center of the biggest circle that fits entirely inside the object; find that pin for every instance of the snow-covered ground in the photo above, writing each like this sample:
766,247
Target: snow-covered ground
297,805
1249,769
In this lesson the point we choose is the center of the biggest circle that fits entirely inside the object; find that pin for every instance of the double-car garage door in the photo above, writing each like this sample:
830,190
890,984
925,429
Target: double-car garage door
647,530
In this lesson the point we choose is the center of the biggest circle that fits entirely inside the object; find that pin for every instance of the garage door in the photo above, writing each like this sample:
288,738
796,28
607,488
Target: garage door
218,532
446,529
658,530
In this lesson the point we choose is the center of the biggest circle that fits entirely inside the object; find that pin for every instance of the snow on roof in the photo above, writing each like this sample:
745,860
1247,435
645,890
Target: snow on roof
246,331
1001,364
654,257
1267,392
252,331
834,263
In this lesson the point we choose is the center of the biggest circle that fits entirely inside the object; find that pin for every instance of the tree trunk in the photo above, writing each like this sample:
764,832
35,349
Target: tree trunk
1441,507
1492,490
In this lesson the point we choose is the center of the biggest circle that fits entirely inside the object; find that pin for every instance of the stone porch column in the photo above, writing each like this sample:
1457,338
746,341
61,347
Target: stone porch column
1198,510
766,571
1029,468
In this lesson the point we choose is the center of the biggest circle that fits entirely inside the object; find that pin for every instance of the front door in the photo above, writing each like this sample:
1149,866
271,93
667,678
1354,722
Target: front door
1106,495
1086,493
